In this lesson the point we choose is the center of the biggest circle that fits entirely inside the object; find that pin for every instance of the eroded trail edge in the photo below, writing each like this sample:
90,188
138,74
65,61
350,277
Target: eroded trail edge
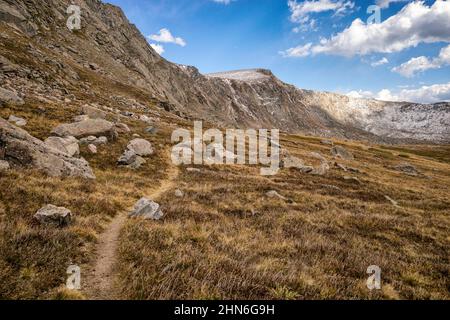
100,280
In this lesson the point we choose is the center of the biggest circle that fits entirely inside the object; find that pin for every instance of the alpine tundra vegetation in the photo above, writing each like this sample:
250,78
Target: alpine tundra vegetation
93,119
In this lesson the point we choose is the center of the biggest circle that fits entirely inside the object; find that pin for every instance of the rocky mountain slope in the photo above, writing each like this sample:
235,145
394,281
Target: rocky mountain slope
41,58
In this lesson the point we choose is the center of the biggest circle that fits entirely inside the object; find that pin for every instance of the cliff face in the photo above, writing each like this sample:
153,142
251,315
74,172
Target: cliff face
51,60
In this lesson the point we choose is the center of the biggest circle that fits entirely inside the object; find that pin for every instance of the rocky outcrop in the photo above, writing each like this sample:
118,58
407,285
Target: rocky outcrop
67,145
86,128
21,149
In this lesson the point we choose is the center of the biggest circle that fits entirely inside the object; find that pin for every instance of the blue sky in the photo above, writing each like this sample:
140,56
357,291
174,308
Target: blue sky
226,35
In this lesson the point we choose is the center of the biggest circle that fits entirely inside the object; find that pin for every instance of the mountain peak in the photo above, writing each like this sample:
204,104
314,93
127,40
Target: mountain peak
243,75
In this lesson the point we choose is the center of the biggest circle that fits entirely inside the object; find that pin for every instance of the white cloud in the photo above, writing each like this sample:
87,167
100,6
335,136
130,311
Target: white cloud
380,62
300,51
421,64
165,36
416,23
223,1
158,48
301,11
360,94
385,3
425,94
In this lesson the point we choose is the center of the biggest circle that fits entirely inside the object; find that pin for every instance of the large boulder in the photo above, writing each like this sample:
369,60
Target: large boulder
67,145
92,112
53,215
10,97
295,163
341,152
141,147
21,149
86,128
147,209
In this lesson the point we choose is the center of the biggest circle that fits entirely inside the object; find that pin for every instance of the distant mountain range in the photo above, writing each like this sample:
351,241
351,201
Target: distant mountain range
112,48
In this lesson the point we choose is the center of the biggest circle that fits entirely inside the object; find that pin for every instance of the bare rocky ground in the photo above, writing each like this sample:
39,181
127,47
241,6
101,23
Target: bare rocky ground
85,125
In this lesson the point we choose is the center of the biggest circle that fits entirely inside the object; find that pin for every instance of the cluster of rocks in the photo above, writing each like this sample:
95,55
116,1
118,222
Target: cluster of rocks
289,161
136,150
19,148
407,168
338,152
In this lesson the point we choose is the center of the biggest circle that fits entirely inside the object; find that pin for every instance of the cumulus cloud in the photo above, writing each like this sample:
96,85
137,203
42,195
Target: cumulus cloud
421,64
416,23
300,51
158,48
223,1
425,94
165,36
380,62
301,11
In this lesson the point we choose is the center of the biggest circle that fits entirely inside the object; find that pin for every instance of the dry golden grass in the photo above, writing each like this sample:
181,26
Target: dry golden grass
226,240
34,258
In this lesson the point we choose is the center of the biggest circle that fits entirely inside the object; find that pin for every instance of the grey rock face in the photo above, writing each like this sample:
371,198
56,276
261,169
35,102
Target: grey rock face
82,117
100,141
147,209
127,158
292,162
321,170
136,150
289,162
21,149
137,163
93,112
53,215
88,140
141,147
407,168
341,152
10,97
86,128
67,145
20,122
4,165
178,193
121,128
92,149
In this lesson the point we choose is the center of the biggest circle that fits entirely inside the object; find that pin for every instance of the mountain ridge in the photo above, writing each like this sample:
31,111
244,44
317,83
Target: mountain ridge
115,50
